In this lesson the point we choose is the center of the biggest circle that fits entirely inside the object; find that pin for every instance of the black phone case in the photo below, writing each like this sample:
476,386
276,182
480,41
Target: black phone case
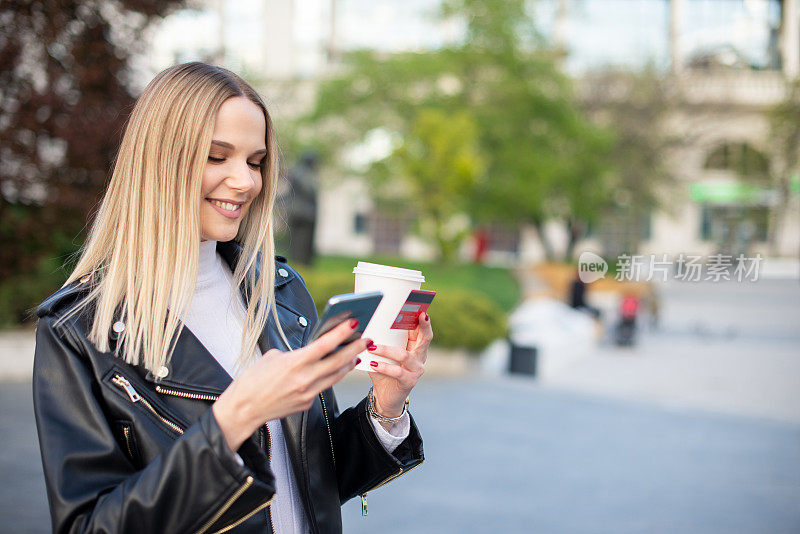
340,308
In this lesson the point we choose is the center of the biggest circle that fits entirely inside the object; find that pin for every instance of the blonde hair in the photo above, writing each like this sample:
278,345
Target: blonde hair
142,249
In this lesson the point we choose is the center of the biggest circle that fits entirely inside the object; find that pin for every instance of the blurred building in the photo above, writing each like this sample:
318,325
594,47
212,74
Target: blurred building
728,73
730,62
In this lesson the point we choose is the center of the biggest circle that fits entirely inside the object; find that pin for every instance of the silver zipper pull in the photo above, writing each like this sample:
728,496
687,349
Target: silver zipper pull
122,382
363,504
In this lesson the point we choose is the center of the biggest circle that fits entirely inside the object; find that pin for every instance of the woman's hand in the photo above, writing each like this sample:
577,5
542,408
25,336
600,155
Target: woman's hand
391,384
283,383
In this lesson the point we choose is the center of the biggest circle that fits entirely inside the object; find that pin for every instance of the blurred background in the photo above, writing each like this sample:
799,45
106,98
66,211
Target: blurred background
502,147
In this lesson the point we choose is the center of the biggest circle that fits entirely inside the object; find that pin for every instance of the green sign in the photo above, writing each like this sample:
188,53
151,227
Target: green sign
726,192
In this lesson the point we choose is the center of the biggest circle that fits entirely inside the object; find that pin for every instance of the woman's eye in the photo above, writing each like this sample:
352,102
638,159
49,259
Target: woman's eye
256,165
215,159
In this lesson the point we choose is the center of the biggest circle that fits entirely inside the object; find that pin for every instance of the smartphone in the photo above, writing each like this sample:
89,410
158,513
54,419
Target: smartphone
340,308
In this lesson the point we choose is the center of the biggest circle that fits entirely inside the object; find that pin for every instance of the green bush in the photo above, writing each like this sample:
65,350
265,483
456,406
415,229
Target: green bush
323,285
22,293
466,319
497,284
461,318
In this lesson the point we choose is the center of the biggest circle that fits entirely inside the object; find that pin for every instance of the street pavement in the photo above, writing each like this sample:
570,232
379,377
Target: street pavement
728,347
508,455
694,430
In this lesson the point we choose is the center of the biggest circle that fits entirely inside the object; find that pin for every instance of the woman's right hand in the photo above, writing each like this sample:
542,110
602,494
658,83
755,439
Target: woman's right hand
283,383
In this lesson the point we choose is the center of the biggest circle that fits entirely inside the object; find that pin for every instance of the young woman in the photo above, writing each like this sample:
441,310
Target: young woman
173,387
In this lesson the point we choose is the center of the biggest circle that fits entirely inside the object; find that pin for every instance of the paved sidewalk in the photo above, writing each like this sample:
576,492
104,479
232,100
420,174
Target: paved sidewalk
16,354
506,455
728,347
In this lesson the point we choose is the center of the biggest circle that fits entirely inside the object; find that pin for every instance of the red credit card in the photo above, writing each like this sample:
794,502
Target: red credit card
416,303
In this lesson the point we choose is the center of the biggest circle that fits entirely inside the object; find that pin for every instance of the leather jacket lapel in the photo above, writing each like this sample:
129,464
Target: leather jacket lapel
193,368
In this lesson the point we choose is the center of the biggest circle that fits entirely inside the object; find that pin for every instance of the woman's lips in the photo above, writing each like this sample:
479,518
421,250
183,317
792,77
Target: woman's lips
227,213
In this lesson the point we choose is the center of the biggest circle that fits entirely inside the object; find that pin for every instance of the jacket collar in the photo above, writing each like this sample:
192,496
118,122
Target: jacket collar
192,368
231,251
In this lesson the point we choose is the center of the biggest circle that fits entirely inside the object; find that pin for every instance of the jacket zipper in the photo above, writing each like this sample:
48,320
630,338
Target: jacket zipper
184,394
212,397
269,461
327,424
248,516
126,431
364,510
122,382
238,493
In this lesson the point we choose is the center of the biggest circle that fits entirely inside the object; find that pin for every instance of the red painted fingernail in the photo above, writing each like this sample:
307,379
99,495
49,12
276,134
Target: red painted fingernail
358,360
373,363
371,345
353,323
427,317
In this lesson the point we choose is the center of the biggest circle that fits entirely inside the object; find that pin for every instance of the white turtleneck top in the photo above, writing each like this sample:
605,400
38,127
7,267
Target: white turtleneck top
217,322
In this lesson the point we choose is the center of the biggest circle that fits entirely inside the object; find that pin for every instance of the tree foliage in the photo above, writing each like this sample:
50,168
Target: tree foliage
64,97
435,170
543,158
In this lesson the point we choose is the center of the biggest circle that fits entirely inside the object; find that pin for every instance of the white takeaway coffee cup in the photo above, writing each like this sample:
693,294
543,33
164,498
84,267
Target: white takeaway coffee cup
396,284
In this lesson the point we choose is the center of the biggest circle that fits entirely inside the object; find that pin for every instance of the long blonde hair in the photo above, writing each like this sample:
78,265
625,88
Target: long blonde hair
142,249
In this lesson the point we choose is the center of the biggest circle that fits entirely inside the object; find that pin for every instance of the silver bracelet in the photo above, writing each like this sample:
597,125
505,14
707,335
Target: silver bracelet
382,418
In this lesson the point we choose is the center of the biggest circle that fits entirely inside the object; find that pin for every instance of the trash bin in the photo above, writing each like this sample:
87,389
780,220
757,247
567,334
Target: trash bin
522,360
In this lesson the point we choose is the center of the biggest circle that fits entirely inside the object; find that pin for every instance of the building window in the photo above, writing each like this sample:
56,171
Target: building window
360,224
387,230
705,222
503,238
646,225
622,229
727,225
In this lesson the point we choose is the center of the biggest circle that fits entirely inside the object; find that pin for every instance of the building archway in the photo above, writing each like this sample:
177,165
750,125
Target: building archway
734,204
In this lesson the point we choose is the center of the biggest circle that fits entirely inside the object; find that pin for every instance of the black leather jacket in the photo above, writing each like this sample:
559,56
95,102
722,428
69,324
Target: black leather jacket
124,451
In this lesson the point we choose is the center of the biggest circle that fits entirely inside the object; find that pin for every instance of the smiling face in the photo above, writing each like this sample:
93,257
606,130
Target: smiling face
232,176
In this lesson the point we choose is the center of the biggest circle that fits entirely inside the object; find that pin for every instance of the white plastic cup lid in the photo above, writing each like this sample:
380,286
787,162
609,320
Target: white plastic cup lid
387,271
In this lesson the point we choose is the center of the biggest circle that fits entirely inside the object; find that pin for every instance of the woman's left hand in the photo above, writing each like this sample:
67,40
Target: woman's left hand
391,384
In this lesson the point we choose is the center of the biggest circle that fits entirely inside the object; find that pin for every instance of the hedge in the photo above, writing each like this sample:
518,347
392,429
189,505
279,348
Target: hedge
461,318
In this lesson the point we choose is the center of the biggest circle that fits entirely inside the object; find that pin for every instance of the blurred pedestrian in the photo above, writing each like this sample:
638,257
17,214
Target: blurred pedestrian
481,239
626,326
577,297
302,213
173,388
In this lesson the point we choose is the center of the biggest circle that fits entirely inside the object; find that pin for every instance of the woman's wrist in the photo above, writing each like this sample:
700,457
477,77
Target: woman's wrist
231,416
384,409
390,411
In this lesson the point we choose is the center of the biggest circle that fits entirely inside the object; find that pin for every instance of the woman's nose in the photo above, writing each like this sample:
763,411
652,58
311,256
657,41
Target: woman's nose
240,177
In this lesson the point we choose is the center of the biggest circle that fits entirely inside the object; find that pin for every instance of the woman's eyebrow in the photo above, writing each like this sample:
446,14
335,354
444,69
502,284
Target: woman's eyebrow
223,144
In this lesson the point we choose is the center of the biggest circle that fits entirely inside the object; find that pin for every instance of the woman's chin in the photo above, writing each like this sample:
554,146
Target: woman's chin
219,234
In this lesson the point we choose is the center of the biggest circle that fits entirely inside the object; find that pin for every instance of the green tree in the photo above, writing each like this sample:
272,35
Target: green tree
543,158
435,170
547,160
